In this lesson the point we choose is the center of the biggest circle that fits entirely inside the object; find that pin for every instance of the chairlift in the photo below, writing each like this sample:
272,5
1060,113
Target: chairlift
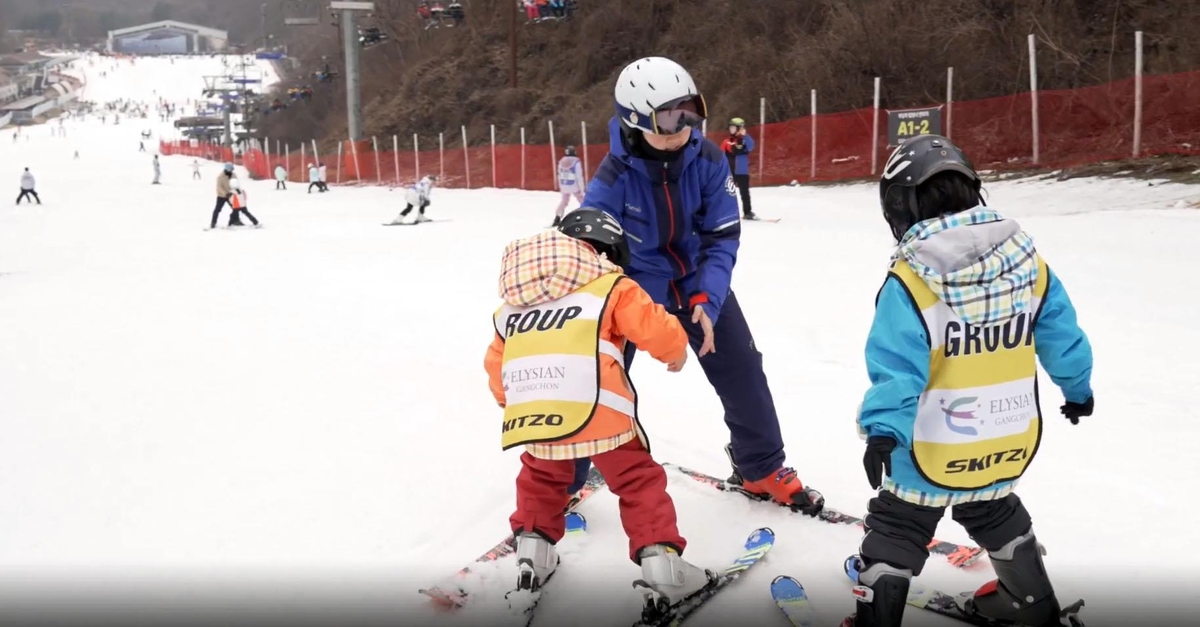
370,36
438,13
454,14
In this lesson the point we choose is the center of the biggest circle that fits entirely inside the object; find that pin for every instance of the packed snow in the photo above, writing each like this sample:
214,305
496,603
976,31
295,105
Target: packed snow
305,404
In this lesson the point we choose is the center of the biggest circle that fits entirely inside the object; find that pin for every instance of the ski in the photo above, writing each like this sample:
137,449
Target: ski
416,223
448,592
757,544
767,220
957,554
941,603
792,600
946,604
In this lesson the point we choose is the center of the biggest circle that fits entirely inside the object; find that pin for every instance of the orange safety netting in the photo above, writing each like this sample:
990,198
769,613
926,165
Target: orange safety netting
1076,126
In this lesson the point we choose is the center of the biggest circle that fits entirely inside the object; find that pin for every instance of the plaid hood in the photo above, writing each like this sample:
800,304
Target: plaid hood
548,266
980,264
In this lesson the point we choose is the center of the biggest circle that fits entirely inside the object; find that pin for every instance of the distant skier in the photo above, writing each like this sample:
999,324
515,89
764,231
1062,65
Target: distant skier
224,192
737,148
570,182
27,188
238,202
553,272
157,172
141,146
417,196
323,177
280,177
196,169
951,419
314,178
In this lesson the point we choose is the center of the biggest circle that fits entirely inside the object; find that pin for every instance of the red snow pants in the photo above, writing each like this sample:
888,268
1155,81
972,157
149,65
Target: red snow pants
647,512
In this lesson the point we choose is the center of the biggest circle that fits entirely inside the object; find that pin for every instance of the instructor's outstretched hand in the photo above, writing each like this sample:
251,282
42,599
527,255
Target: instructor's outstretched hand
701,318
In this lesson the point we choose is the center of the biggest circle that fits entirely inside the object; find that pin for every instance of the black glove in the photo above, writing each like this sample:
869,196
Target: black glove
877,461
1073,411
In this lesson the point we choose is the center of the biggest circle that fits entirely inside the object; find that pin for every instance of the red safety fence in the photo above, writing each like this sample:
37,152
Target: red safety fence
1076,127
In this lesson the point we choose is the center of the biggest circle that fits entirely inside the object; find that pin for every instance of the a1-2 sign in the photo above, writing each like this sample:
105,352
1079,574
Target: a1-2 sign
908,123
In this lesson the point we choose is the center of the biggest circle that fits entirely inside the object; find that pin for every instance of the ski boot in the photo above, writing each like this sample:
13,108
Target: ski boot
750,215
1021,592
557,222
880,595
537,560
421,218
667,580
782,487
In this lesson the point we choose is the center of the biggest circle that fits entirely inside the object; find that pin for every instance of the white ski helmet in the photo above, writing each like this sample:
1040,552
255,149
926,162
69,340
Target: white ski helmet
658,96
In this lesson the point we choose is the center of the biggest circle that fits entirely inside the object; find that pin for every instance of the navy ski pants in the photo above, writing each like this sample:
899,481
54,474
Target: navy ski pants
736,374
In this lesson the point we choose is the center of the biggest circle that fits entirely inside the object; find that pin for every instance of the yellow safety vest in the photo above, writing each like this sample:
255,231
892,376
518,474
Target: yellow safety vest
551,365
978,421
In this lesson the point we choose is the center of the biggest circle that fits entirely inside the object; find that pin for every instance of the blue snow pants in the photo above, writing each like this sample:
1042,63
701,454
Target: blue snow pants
736,374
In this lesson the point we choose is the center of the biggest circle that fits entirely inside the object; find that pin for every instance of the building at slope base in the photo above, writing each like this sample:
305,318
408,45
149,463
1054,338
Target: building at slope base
167,37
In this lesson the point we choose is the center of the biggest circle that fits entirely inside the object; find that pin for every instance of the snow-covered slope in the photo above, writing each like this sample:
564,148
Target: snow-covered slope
308,401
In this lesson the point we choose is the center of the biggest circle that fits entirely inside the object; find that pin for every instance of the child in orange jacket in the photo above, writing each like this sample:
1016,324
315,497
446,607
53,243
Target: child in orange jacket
557,367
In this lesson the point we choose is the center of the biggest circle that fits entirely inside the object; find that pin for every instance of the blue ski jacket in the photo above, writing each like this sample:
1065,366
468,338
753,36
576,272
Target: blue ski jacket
681,219
898,364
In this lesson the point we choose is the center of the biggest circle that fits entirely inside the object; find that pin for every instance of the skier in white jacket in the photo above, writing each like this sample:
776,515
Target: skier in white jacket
314,178
27,188
570,182
417,196
324,178
280,177
157,172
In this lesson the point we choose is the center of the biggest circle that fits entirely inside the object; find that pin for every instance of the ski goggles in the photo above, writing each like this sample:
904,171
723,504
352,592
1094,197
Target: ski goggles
678,114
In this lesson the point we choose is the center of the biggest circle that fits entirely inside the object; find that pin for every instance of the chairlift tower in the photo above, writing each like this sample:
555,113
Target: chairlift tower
349,11
219,86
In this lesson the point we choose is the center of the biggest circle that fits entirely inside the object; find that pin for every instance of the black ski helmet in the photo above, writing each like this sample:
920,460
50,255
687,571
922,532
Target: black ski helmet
911,164
600,230
569,151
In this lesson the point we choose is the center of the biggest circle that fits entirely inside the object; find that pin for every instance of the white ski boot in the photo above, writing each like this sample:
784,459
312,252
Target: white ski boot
537,560
421,218
667,580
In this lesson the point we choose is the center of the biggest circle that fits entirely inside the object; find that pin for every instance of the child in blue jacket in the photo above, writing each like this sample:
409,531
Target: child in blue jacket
952,418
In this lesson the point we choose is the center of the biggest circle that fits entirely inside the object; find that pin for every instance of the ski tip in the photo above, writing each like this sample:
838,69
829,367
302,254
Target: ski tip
851,565
759,537
787,587
575,523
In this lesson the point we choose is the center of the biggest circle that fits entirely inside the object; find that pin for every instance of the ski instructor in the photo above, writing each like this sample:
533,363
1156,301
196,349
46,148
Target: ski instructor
674,196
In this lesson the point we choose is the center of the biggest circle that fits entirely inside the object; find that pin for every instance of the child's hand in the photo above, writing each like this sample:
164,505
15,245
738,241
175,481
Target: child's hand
677,365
